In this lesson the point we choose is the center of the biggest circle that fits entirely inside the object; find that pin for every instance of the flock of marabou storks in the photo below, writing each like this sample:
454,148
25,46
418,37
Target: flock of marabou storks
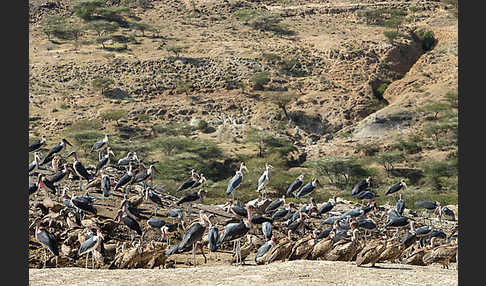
71,227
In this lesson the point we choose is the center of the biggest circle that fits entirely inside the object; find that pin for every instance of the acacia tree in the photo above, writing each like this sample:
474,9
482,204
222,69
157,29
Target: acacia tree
388,159
340,171
259,137
102,83
102,27
282,100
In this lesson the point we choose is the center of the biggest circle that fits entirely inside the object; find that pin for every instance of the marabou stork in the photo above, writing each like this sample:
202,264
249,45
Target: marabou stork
105,184
295,185
361,186
104,161
235,231
397,222
327,206
366,196
307,189
193,235
129,221
267,229
273,206
330,220
448,212
61,175
56,149
281,213
34,164
49,185
127,178
352,213
80,170
99,145
83,204
213,235
400,205
199,183
144,175
36,186
46,239
235,182
428,206
129,158
396,187
264,249
95,242
298,224
189,182
264,180
237,209
36,145
154,198
190,198
131,209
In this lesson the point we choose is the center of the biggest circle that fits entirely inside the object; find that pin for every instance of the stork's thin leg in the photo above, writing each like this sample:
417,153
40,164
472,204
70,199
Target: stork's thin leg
92,261
194,254
202,252
87,255
45,258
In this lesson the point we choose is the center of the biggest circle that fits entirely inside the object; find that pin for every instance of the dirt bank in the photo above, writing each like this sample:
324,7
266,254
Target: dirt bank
304,272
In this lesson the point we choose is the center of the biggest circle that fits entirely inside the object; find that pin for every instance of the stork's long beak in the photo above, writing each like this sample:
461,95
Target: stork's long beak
67,142
155,170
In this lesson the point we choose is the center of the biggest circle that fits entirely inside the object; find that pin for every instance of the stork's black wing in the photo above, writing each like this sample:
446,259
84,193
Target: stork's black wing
132,224
325,208
35,145
192,235
105,185
294,186
361,186
48,240
188,198
187,184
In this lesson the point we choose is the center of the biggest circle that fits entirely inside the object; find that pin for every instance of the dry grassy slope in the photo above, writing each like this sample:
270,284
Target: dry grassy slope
342,53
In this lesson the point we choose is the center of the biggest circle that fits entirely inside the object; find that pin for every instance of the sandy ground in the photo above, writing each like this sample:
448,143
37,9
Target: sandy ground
305,272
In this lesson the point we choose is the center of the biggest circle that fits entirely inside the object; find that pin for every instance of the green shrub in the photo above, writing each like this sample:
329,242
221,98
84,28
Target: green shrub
176,49
260,79
410,145
381,90
368,149
391,35
173,129
102,83
271,57
114,114
262,20
202,125
427,38
85,125
439,173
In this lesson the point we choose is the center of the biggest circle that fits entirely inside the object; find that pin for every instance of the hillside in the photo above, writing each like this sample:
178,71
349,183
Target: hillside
193,74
